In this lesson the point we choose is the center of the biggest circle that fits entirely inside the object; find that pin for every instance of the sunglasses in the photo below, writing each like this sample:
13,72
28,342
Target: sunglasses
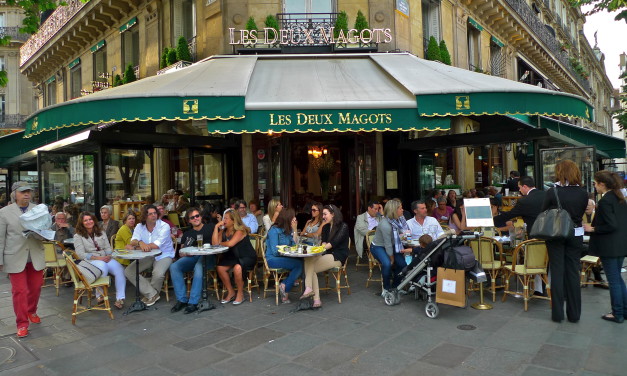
314,210
194,216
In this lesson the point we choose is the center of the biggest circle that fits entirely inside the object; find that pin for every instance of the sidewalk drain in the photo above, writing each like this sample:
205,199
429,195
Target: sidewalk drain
466,327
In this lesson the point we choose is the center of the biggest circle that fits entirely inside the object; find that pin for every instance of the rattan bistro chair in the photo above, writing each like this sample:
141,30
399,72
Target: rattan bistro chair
484,249
337,273
82,288
54,264
530,259
372,262
277,274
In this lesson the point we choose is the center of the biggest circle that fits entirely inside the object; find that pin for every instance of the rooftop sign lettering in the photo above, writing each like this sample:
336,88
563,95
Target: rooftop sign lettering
305,37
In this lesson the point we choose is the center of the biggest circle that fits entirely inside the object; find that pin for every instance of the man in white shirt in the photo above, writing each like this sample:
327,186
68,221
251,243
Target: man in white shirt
249,219
366,222
151,234
421,223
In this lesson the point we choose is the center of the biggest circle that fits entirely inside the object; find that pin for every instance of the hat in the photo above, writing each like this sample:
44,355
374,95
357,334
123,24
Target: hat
21,186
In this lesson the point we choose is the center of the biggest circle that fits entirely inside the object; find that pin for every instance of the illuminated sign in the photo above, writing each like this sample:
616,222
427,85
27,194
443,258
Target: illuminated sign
305,37
339,118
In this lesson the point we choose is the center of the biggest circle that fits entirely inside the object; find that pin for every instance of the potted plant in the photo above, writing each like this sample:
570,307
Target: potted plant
450,187
182,50
444,54
361,23
324,166
341,23
271,22
433,50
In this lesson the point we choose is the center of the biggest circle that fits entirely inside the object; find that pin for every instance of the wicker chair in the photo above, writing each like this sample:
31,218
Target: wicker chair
535,258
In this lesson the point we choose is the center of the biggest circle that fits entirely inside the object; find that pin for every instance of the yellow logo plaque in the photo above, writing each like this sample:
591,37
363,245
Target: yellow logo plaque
462,103
190,106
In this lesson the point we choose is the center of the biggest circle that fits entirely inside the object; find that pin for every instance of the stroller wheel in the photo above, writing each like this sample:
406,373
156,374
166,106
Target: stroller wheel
432,310
390,298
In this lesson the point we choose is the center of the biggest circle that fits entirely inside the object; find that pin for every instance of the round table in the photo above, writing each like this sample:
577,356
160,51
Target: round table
204,304
137,255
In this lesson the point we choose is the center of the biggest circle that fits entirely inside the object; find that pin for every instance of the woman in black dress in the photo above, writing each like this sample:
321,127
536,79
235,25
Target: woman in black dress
564,254
241,256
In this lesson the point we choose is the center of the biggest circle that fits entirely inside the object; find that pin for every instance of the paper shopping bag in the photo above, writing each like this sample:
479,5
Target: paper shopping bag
451,287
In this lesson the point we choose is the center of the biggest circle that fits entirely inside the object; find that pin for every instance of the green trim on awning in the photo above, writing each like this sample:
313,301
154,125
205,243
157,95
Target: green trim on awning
612,146
495,40
475,24
89,112
74,63
499,103
51,79
97,46
303,121
128,25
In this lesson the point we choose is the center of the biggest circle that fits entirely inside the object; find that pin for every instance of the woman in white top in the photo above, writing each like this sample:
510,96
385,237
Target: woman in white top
274,208
91,243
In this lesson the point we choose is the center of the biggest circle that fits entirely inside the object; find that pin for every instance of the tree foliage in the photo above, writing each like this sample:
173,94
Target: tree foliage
621,115
182,50
619,6
433,50
446,56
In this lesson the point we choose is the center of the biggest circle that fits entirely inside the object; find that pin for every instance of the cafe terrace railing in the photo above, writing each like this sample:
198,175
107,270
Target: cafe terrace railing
530,18
49,28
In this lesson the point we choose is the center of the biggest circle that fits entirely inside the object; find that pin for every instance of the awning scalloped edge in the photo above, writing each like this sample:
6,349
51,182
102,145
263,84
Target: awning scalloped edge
335,130
503,113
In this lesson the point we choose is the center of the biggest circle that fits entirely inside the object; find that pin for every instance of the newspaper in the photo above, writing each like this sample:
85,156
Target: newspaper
39,234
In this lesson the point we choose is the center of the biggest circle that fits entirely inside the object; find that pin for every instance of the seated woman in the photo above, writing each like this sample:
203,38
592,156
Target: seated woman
91,243
313,227
458,219
335,242
241,256
284,233
443,212
274,208
124,235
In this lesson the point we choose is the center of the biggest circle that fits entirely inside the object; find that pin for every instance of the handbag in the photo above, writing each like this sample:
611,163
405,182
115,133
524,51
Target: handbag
89,271
553,224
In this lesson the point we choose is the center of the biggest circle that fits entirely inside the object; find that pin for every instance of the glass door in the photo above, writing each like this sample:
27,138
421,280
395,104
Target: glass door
426,173
67,178
209,180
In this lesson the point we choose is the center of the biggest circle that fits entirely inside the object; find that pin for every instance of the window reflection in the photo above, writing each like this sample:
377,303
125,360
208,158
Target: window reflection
127,175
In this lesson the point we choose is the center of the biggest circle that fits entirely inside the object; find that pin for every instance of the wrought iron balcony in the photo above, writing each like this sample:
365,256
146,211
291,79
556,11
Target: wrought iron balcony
12,121
49,28
176,66
311,22
191,44
14,33
530,18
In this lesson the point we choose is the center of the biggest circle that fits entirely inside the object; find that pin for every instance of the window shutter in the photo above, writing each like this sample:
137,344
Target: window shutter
434,20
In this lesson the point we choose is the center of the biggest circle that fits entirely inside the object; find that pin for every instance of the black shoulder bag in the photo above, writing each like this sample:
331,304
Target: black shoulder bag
553,224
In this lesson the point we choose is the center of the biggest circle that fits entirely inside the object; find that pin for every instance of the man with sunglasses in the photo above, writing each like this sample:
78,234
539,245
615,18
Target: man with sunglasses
249,219
188,263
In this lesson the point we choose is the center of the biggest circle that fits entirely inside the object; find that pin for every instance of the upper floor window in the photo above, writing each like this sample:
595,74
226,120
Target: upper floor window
307,6
497,59
474,48
100,64
2,17
130,47
184,17
75,82
1,62
2,104
51,91
431,19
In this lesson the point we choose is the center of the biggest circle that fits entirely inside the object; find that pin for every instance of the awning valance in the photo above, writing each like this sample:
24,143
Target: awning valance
395,91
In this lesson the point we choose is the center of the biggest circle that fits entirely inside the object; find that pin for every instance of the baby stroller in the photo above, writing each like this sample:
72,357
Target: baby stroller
420,273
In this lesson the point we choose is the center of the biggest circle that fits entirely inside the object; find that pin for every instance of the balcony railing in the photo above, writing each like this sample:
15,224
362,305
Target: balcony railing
191,44
299,22
529,17
12,121
14,33
49,28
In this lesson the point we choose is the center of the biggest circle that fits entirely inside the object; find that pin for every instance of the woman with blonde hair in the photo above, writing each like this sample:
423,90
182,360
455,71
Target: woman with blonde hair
241,256
564,254
274,208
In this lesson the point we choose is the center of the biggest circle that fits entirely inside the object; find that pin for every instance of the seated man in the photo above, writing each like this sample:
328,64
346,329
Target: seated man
365,222
151,234
62,229
249,219
421,223
188,263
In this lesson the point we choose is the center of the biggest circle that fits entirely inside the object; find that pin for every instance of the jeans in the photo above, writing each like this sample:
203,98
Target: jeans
618,292
187,264
295,266
399,265
379,253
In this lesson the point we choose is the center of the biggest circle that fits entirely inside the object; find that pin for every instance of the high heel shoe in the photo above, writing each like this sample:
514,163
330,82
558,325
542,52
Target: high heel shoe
228,300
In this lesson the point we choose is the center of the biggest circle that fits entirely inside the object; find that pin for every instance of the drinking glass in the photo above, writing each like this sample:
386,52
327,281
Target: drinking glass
199,240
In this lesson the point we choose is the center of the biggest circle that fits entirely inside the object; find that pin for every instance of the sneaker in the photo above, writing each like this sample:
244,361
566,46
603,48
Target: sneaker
34,318
149,302
22,332
178,306
190,308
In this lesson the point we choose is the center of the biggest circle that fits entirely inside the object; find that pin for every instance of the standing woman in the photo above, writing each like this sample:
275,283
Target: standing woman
284,233
91,243
335,242
313,227
241,256
386,244
608,239
21,258
274,208
564,255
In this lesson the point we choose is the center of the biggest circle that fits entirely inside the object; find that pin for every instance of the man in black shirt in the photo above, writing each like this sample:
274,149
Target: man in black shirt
527,207
512,182
188,263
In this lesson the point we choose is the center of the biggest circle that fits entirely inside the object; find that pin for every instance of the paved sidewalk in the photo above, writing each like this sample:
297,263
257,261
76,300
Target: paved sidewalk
361,336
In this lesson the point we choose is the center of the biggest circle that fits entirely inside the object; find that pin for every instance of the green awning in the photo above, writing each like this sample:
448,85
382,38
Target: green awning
497,41
612,146
128,25
475,24
74,63
356,120
97,46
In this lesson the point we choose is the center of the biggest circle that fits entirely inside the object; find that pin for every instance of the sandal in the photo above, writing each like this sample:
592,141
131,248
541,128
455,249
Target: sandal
309,292
119,304
317,304
611,317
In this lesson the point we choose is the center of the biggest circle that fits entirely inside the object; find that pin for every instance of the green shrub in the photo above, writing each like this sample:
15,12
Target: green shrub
117,81
341,23
129,74
361,23
164,58
446,57
182,50
171,57
433,50
250,24
272,22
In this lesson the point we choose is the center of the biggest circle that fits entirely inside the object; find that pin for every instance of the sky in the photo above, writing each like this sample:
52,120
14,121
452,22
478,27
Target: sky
612,40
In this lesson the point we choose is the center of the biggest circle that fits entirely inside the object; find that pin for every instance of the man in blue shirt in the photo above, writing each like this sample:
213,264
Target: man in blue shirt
249,219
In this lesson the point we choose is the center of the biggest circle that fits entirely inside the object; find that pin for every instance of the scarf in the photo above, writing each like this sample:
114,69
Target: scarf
399,226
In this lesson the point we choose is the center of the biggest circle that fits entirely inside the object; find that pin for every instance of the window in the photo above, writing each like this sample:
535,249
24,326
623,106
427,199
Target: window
431,19
51,92
474,48
100,64
2,104
2,20
75,82
307,6
130,47
184,20
128,174
497,60
1,62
